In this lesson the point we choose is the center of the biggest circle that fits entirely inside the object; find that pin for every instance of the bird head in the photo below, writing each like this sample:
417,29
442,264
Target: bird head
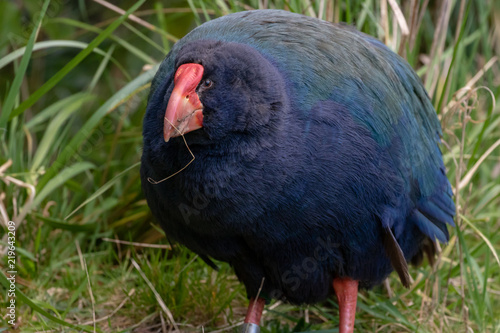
219,89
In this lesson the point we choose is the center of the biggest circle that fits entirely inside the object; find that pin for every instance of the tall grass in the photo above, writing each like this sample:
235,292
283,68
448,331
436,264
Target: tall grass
75,78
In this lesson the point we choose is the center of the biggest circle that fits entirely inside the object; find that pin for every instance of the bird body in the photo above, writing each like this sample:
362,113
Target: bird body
317,157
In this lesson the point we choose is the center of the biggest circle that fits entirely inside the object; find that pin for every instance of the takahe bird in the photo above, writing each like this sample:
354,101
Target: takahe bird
317,167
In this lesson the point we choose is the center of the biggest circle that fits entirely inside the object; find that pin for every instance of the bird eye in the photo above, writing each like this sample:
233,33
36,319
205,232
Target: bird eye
208,83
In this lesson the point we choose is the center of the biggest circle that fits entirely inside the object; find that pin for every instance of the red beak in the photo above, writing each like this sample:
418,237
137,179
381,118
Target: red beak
184,110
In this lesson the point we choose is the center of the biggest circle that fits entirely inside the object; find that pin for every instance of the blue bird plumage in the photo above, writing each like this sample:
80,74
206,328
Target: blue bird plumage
319,147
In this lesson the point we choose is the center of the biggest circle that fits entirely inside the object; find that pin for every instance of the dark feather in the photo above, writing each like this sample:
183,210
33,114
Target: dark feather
397,257
429,248
209,262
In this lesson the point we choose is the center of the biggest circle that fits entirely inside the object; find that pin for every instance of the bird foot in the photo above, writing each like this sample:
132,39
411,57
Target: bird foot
347,294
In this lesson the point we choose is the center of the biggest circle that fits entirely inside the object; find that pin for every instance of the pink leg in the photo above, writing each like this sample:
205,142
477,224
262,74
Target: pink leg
254,312
347,294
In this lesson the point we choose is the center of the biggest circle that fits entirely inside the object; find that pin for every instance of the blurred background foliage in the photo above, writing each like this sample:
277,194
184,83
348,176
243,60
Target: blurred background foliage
74,82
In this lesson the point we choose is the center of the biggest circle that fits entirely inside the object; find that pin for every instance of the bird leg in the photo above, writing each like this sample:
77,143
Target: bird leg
252,320
346,290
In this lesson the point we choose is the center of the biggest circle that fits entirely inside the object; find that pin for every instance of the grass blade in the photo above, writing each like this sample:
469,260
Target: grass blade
18,79
103,189
458,44
72,147
59,224
46,45
101,68
50,111
52,132
72,63
126,45
480,234
60,179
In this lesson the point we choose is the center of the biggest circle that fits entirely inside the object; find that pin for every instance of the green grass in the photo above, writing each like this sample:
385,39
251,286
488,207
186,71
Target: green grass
75,77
